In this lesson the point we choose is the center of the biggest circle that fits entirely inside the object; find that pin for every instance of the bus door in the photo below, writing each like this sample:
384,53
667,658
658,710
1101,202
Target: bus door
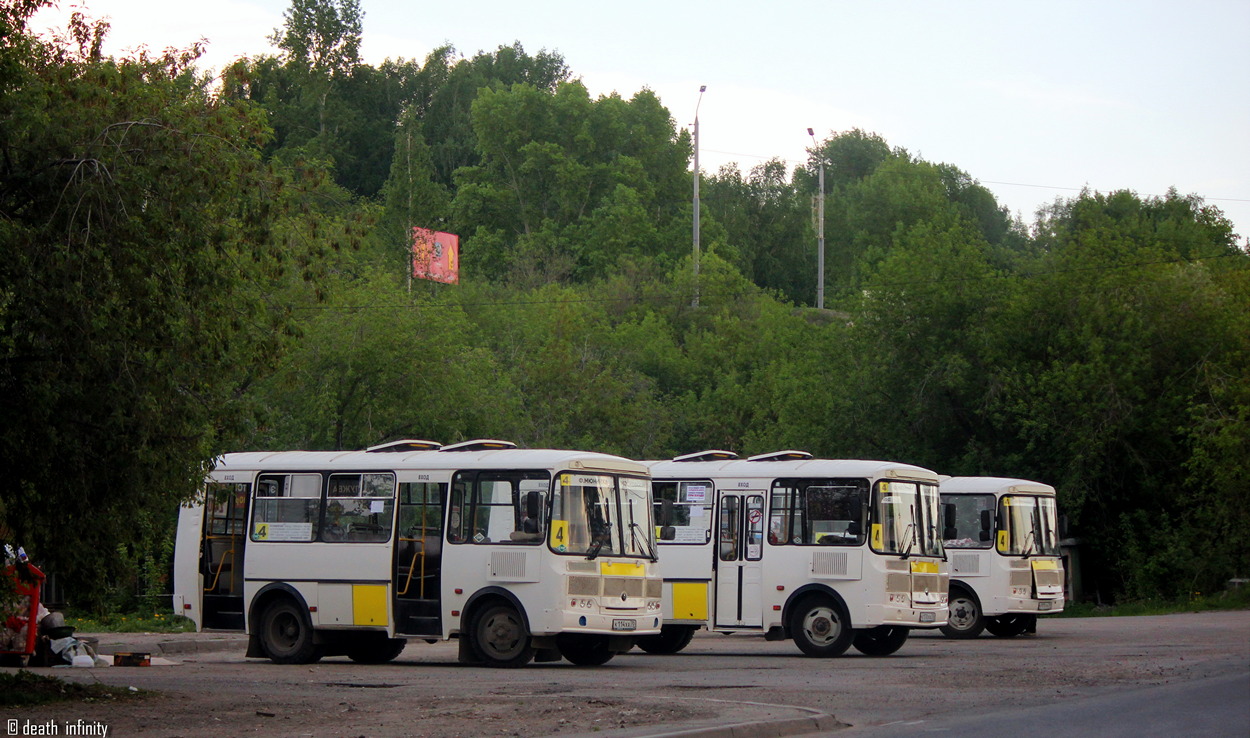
739,554
419,559
221,555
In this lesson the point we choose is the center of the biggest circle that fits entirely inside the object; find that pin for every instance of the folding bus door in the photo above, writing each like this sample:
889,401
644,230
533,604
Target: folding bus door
739,565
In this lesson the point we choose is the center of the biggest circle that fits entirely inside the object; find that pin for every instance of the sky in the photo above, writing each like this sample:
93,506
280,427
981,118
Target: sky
1034,100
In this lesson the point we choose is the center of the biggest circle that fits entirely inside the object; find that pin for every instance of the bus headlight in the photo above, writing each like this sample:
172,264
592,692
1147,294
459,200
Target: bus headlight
653,605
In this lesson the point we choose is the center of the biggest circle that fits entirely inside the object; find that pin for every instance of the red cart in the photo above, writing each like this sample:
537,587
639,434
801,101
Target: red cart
26,581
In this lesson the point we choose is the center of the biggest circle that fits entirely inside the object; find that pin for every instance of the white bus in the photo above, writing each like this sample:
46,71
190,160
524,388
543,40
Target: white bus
519,554
828,553
1004,555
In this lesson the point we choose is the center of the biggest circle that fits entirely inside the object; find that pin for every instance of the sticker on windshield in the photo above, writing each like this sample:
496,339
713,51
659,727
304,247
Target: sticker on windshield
560,535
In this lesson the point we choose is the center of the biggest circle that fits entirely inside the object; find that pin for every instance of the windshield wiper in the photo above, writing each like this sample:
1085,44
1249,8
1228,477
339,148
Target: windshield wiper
633,536
1030,542
597,544
911,542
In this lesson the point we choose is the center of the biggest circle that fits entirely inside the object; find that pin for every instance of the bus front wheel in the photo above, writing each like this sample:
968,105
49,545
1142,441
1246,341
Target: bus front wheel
500,638
966,620
584,650
287,635
672,638
882,640
819,628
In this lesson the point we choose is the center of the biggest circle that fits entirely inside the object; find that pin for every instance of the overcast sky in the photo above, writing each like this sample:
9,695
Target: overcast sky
1035,100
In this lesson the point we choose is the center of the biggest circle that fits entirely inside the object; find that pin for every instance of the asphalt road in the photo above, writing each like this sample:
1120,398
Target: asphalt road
1175,674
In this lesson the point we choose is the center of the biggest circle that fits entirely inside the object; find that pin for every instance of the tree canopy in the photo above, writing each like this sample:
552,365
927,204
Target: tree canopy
194,268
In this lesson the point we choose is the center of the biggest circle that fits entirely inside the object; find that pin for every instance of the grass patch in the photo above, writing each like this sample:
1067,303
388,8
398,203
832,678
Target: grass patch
27,689
130,623
1234,599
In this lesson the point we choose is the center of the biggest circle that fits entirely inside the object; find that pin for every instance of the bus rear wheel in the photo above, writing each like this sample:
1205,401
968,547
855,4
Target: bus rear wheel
819,628
287,635
376,650
882,640
1009,626
584,650
500,638
672,638
966,620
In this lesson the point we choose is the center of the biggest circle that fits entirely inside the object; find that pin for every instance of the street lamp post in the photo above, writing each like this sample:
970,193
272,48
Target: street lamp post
820,228
695,301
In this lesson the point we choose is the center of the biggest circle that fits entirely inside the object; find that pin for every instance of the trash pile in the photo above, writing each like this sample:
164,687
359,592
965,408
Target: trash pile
50,642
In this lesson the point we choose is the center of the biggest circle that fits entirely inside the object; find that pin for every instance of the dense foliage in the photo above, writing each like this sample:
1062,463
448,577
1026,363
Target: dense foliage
174,287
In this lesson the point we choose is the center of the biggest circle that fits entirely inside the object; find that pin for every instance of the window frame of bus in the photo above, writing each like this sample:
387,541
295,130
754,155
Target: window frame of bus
333,496
560,529
1006,525
681,488
916,548
792,510
457,534
259,530
975,545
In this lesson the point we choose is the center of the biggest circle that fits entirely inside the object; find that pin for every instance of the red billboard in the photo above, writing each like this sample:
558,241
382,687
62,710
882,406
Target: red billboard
435,256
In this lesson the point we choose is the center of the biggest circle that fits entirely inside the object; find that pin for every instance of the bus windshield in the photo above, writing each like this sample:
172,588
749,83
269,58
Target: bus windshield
590,518
905,519
1028,526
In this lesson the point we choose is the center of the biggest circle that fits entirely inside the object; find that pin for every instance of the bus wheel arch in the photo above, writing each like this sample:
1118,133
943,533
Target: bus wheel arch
817,621
967,617
279,617
497,629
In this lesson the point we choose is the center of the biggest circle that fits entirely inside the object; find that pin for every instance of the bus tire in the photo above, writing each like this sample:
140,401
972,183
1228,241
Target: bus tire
584,650
1008,626
672,638
499,637
376,650
286,634
820,628
882,640
966,619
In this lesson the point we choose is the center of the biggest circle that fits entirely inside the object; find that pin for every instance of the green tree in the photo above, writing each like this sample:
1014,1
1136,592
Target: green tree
135,215
1113,357
767,227
559,171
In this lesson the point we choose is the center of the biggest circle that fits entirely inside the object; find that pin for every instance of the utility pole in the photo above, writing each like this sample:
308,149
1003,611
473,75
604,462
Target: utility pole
695,302
820,228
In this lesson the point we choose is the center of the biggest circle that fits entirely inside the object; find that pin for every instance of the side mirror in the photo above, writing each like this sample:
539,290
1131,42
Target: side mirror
668,533
1063,526
666,514
531,504
987,525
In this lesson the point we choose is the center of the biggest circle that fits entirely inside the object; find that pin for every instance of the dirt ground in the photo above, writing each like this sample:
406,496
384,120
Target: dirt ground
717,680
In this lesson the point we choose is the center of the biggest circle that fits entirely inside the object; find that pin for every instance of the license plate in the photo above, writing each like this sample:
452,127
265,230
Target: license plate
926,617
1044,605
623,624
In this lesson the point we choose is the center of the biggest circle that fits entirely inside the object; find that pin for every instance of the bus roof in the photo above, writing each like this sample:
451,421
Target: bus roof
765,468
993,485
493,458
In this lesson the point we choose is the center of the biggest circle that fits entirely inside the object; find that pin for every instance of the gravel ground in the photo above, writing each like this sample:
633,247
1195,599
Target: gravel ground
206,687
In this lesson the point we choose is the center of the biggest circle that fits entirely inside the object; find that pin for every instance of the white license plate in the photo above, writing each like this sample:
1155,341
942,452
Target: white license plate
926,617
623,624
1044,605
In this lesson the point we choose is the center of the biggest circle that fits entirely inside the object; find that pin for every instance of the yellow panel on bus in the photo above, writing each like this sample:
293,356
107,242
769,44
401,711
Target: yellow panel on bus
690,600
369,604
